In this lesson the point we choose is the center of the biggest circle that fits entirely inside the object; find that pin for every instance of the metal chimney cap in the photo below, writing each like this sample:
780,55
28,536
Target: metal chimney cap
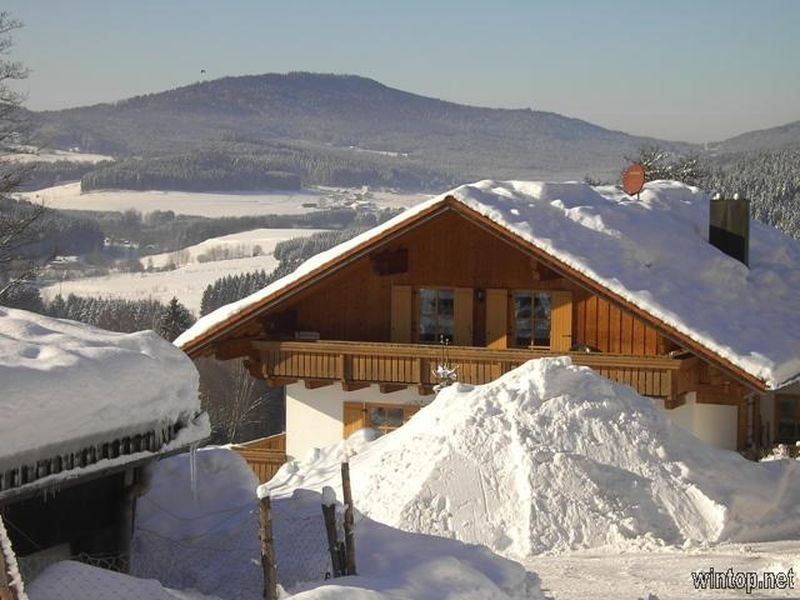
716,196
736,196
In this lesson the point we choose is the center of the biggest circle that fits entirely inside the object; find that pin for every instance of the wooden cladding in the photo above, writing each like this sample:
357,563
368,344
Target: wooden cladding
604,327
463,316
496,318
391,262
402,310
560,321
411,364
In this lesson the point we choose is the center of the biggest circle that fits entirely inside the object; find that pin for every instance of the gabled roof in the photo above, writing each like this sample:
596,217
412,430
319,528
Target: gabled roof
650,254
76,398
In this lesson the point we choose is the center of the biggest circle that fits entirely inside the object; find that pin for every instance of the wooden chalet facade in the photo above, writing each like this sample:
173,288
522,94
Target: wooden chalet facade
356,339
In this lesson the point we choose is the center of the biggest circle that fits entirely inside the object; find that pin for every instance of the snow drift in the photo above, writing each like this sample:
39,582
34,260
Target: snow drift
552,457
75,385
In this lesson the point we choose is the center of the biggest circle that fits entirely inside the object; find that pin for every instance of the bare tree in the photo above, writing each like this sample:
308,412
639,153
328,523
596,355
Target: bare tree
233,398
18,221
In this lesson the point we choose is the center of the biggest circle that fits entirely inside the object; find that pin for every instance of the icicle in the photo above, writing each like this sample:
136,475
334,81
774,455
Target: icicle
193,470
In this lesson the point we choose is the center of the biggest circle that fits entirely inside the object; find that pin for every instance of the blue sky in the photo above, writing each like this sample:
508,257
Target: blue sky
696,70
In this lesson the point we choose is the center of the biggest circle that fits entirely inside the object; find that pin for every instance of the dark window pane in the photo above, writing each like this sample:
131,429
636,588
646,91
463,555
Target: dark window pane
427,302
541,319
446,303
377,416
394,417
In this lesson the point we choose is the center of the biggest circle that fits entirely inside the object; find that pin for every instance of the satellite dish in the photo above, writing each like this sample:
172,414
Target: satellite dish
633,179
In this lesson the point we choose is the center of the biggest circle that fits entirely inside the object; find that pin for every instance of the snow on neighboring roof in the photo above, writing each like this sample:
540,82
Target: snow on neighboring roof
67,386
653,252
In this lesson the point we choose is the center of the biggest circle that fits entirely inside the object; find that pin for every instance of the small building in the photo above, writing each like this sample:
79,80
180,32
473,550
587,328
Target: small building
83,412
503,272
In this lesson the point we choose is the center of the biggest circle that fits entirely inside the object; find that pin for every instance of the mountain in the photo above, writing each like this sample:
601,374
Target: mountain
774,138
358,127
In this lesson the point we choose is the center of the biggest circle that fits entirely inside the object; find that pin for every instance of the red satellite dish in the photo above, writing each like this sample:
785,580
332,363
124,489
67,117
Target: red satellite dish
633,179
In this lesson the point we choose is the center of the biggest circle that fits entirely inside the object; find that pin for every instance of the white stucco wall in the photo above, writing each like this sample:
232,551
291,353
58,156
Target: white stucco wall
314,418
715,424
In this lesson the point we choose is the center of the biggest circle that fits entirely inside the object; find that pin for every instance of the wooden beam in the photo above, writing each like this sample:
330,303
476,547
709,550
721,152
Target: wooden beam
313,384
228,349
275,382
389,388
352,386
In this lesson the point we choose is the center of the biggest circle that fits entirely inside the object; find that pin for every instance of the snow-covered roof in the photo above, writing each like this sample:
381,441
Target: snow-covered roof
67,386
652,252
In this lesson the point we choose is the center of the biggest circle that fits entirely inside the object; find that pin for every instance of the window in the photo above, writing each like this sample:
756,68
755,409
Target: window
787,409
385,418
381,417
436,315
531,313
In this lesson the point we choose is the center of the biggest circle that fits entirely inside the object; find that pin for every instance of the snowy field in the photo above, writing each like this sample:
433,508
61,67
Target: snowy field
58,155
206,204
243,243
187,282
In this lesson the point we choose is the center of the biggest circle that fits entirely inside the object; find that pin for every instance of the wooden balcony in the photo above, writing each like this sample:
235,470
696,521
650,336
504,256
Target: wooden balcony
395,366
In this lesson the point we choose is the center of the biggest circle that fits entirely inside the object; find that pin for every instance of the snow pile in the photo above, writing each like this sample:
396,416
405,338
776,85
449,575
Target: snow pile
70,580
67,385
212,545
652,251
209,544
552,457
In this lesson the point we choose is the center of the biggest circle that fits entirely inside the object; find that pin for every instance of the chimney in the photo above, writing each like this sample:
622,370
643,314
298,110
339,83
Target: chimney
729,226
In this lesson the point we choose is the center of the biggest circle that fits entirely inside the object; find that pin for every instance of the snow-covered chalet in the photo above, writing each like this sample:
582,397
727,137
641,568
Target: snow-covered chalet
504,272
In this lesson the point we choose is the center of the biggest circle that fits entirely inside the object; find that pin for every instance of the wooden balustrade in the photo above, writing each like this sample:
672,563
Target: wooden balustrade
413,364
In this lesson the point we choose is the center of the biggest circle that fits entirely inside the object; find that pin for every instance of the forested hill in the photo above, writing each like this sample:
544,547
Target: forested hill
774,138
356,126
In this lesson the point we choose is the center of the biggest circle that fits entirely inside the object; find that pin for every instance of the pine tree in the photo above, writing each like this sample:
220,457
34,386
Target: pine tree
175,319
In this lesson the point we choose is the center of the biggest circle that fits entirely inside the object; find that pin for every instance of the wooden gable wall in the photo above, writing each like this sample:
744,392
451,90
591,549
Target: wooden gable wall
451,251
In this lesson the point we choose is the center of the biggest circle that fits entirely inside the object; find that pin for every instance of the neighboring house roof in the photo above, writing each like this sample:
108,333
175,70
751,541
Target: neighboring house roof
651,253
77,399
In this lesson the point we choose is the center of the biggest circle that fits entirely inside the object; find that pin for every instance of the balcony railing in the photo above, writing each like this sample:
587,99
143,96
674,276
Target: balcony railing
412,364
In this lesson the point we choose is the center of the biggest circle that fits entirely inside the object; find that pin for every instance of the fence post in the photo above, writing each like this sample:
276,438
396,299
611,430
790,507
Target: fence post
329,515
267,550
11,587
349,535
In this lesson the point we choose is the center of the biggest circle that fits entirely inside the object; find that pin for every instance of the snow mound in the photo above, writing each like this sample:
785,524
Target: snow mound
69,580
75,385
552,457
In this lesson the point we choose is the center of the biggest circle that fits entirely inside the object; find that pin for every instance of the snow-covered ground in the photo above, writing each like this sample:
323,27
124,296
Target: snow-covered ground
243,244
205,204
187,282
666,574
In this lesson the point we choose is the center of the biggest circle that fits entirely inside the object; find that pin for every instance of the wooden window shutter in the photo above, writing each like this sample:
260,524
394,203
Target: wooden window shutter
401,314
561,321
463,316
496,318
354,417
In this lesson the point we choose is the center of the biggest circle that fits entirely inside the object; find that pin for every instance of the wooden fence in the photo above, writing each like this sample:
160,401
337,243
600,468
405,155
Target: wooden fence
264,455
